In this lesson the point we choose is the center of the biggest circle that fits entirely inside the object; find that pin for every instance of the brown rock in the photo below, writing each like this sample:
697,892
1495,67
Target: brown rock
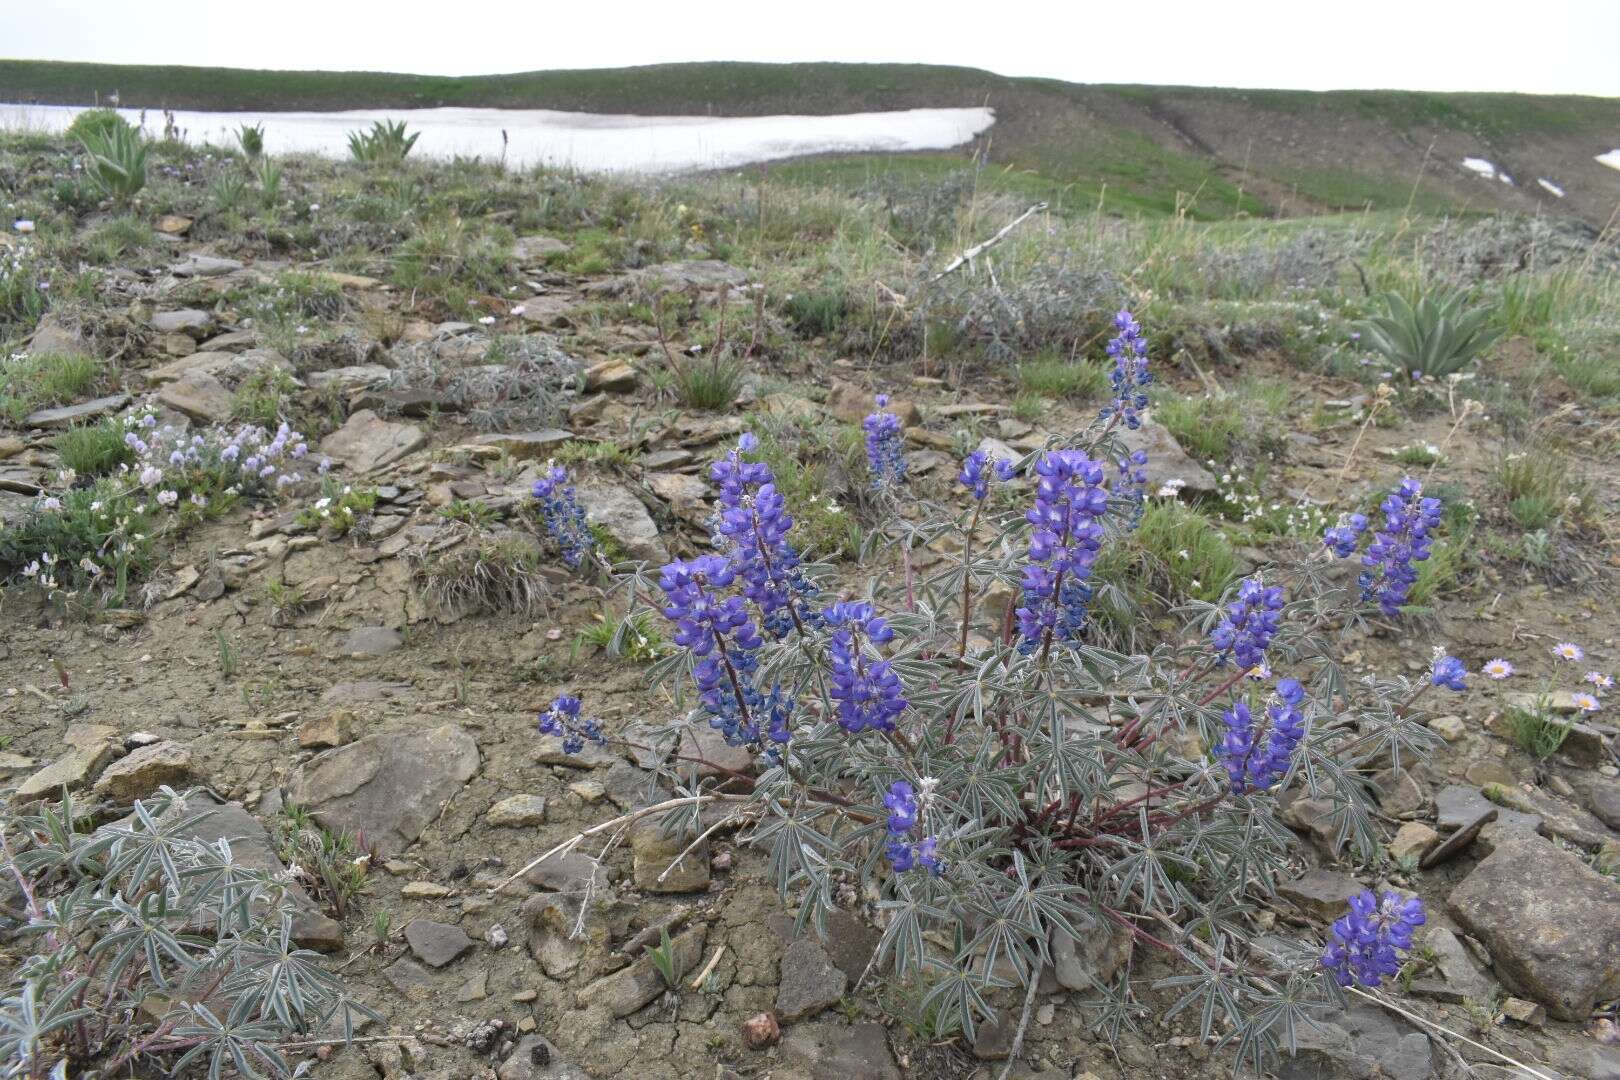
144,771
760,1031
325,732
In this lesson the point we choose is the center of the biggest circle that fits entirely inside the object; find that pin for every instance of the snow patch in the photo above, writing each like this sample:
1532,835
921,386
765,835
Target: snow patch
589,141
1551,188
1480,166
1611,159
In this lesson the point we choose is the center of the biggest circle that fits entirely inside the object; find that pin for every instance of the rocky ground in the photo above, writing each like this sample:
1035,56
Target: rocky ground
276,663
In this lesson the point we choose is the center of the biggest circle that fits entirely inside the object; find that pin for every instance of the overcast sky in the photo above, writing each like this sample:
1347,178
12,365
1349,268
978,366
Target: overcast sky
1543,46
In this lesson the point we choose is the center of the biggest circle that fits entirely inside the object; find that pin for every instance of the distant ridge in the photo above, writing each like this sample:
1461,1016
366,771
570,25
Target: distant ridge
1207,152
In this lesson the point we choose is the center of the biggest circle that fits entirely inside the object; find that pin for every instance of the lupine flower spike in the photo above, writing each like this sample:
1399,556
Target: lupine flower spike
1255,765
865,687
1364,945
1067,533
1130,376
753,526
1448,671
562,515
885,454
1251,620
562,718
978,471
1409,517
905,818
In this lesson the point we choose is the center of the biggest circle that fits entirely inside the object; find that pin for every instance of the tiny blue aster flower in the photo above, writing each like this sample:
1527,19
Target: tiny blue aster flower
562,515
865,687
1341,539
978,471
563,718
1250,621
885,452
1403,540
1130,376
1065,537
1364,943
1449,672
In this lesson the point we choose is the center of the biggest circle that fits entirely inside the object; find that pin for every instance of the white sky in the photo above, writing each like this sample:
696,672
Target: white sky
1548,46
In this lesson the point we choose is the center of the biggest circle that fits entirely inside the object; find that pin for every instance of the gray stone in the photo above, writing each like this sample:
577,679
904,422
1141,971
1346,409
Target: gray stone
653,857
199,396
1322,893
1455,977
833,1051
187,321
1601,796
1167,461
1400,794
410,978
623,517
996,450
627,990
1362,1042
52,337
613,375
548,312
631,788
1549,923
1457,807
475,988
345,379
1094,959
686,494
526,445
372,641
548,750
367,442
1558,818
568,873
809,982
435,943
389,786
536,1059
517,811
850,942
527,249
993,1040
144,771
68,415
199,265
91,747
700,742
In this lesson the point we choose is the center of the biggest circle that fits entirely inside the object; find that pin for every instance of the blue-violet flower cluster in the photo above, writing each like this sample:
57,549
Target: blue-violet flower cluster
1253,764
1403,539
885,453
905,818
1362,951
1250,621
562,515
563,718
865,687
753,526
978,470
1130,376
1067,533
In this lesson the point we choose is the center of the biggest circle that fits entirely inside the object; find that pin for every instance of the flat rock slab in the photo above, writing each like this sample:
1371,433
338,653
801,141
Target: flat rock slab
68,415
526,445
199,396
537,247
533,1058
204,266
435,943
1167,461
1551,924
518,811
623,517
144,771
1323,893
186,321
1558,818
91,747
367,442
831,1051
372,641
809,982
628,989
1458,807
1362,1041
344,379
653,858
389,786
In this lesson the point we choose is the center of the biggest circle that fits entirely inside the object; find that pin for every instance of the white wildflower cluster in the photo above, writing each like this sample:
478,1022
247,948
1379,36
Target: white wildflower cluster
1272,516
249,460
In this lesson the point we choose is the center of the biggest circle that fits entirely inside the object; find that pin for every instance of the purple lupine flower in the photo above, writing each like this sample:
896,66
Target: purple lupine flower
978,470
1246,629
562,515
718,632
562,718
1133,483
905,818
1341,539
1130,376
1362,951
1251,764
885,453
1449,672
1402,541
1063,544
866,688
754,524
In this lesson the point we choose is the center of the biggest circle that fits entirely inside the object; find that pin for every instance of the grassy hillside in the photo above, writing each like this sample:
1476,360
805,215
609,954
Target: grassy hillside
1206,153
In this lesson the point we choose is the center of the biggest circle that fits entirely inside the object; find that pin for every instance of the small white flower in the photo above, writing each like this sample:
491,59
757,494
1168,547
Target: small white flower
314,206
23,225
487,320
518,310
